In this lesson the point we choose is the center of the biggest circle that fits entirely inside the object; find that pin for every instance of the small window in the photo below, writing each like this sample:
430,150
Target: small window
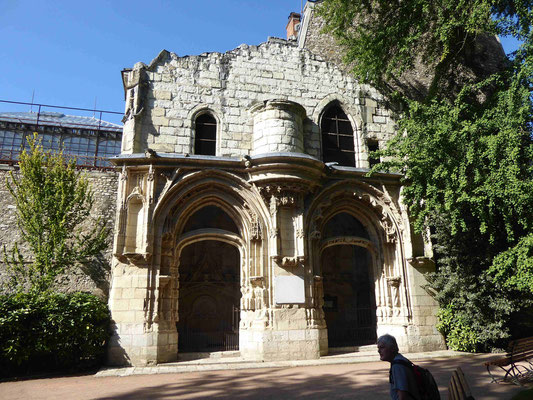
337,137
373,145
206,135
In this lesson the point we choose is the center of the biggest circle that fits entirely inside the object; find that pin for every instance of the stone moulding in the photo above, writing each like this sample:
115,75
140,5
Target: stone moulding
421,262
289,262
138,259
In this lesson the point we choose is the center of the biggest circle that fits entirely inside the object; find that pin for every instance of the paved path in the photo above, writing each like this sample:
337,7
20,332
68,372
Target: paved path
362,380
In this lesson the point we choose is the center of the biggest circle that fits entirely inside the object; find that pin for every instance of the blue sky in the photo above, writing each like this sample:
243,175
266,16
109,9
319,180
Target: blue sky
71,52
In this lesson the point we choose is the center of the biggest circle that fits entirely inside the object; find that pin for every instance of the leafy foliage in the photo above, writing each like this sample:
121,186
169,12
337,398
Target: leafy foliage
467,155
383,39
50,331
54,203
469,162
476,312
514,267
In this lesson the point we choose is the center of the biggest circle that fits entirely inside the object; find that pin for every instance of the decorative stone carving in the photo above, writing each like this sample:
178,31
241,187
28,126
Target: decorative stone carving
259,298
273,205
274,233
388,227
316,235
150,176
315,314
247,161
283,195
138,259
136,192
394,284
289,262
124,174
318,287
255,232
367,244
247,302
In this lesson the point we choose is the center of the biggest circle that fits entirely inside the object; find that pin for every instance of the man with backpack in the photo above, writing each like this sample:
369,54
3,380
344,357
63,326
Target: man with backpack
407,381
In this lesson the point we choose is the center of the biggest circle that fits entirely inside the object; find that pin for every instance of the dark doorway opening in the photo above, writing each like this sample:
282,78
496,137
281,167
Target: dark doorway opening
349,303
209,297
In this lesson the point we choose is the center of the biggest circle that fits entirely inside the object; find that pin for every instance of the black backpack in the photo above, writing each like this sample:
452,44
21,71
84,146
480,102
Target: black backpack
426,383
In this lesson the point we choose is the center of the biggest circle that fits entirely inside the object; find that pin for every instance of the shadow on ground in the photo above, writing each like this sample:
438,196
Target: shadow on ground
328,382
266,384
354,381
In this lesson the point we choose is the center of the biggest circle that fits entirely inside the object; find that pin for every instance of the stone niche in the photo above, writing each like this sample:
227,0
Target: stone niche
278,127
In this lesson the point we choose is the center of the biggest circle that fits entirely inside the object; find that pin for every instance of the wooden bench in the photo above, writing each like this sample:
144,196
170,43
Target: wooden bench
520,351
458,388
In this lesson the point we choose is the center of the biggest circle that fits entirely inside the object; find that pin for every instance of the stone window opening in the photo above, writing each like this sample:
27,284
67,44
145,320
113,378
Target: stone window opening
337,137
205,140
372,145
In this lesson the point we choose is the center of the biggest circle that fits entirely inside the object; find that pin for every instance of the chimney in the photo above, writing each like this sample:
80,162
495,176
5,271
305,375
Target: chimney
293,26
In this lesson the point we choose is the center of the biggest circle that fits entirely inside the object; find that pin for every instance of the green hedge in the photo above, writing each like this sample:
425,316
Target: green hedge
52,332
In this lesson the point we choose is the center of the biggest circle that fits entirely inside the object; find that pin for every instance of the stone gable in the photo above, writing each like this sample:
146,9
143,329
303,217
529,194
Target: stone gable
172,90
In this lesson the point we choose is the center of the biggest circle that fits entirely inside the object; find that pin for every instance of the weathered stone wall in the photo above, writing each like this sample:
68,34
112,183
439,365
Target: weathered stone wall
268,101
104,185
165,97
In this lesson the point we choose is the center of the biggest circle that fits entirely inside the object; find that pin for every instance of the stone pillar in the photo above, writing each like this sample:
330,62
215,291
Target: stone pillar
292,332
133,341
278,127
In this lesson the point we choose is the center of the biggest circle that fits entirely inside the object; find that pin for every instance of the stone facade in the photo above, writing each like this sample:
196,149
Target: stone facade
317,245
104,185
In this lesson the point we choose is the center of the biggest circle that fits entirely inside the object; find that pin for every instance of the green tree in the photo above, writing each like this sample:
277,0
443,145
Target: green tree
53,210
466,151
384,39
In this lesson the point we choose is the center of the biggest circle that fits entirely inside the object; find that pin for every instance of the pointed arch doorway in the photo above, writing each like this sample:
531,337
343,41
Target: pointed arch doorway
348,279
209,283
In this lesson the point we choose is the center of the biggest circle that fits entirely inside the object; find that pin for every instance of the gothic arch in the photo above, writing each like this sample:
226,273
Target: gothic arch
213,111
189,193
195,190
382,220
353,113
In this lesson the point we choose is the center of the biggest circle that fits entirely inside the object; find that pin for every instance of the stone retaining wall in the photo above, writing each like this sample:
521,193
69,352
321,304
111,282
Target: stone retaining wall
104,184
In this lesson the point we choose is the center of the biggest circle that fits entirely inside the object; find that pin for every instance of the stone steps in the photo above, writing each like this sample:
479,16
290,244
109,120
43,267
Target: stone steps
232,357
353,351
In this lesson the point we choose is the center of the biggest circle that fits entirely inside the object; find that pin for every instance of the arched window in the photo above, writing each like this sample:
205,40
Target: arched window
205,140
337,137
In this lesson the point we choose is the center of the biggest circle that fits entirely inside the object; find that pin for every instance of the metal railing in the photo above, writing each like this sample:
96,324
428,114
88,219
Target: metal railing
224,338
359,331
98,130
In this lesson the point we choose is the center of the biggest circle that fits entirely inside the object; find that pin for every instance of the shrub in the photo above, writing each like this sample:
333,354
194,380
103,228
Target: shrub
51,332
459,335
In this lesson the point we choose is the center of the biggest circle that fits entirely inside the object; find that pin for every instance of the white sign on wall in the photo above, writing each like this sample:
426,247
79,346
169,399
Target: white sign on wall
289,290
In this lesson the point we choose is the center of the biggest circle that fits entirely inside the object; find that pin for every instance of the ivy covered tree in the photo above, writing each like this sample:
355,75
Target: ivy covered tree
464,146
53,211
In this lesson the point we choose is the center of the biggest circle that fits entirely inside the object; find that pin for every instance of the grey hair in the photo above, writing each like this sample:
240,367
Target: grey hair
390,341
